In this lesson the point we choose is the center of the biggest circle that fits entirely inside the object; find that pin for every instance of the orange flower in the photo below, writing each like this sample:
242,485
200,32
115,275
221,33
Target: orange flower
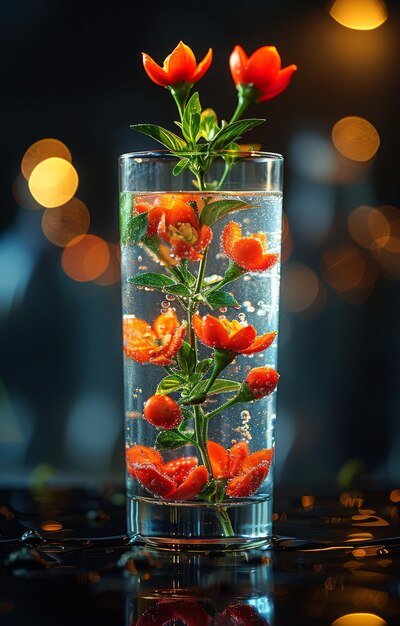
261,71
222,334
177,223
156,344
180,479
246,471
179,67
249,252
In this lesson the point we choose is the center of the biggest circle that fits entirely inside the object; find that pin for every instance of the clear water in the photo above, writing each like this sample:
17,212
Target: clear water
160,521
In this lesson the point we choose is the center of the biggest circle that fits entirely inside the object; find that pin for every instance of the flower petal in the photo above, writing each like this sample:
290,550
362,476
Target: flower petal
214,334
262,67
191,486
182,213
165,355
230,235
152,479
219,458
202,67
261,456
154,71
242,339
238,63
280,83
165,324
178,469
247,252
247,484
261,343
237,455
181,64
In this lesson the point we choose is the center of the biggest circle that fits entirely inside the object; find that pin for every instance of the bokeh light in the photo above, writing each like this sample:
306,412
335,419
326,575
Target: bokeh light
22,195
359,619
368,227
85,258
53,182
355,138
51,526
343,266
359,14
112,274
300,287
395,495
42,150
64,223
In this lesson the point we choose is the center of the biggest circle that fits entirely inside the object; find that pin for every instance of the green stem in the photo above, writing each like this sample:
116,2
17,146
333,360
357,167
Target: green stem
224,520
202,443
242,105
228,167
224,406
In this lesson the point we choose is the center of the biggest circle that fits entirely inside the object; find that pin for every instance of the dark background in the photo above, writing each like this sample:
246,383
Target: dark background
73,71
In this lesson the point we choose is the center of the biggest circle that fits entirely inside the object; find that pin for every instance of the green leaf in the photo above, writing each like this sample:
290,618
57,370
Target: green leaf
179,290
191,119
215,210
186,358
221,385
125,213
208,124
203,366
180,166
136,228
157,281
232,132
219,299
162,135
189,278
160,281
169,384
171,439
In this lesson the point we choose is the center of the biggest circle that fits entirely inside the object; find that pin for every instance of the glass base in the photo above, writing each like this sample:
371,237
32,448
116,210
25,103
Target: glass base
198,526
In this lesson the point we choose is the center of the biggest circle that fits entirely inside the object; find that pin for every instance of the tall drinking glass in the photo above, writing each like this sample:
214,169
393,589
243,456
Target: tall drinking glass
200,296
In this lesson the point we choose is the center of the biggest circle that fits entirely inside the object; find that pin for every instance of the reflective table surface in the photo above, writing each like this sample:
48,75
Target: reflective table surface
65,559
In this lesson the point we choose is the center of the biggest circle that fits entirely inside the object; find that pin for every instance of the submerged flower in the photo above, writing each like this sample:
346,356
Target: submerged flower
222,334
176,222
180,479
250,252
179,67
156,344
245,472
261,71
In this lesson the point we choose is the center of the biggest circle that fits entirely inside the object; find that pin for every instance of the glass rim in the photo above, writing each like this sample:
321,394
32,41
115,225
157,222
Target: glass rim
251,155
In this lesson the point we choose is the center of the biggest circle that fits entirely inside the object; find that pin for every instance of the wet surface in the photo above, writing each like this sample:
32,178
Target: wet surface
64,558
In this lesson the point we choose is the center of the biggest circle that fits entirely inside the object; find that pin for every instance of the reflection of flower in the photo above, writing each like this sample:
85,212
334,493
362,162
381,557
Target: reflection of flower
168,611
180,479
162,412
262,70
249,252
156,344
262,381
246,471
233,336
179,67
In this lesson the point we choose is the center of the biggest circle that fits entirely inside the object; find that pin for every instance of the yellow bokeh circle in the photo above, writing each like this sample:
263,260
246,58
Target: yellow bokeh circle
53,182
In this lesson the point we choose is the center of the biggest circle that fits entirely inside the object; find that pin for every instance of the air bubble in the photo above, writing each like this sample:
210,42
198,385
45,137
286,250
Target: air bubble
242,317
170,297
165,304
223,309
260,302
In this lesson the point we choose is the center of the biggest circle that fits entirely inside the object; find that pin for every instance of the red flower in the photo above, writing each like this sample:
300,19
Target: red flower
166,612
179,67
176,222
249,252
162,412
246,471
261,70
234,336
262,381
180,479
156,344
